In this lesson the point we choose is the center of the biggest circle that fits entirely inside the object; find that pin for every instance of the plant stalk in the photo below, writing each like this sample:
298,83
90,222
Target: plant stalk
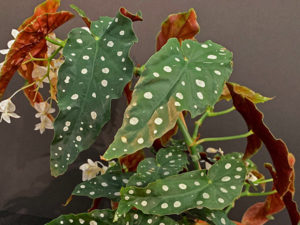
223,138
188,139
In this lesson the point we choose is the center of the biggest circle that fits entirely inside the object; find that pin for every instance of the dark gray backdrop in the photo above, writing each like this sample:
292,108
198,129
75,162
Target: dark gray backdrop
264,37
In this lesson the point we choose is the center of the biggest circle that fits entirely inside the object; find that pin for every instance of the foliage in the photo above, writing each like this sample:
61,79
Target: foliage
150,177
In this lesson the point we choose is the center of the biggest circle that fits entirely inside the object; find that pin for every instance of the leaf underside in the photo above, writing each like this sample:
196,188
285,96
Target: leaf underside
30,40
176,194
176,78
105,217
95,71
181,26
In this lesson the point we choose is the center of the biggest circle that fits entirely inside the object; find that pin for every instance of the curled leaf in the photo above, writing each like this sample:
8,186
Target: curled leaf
276,147
181,26
82,14
245,92
30,40
283,160
48,6
136,17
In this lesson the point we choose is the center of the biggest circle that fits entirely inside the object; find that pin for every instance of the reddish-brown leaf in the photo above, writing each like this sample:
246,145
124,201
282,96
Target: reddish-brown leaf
201,222
181,26
245,92
283,161
136,17
95,204
128,92
49,6
132,161
276,147
30,40
260,213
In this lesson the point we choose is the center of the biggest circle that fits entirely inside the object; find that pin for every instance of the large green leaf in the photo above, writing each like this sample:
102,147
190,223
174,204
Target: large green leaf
176,78
213,217
176,194
169,161
105,217
107,185
95,71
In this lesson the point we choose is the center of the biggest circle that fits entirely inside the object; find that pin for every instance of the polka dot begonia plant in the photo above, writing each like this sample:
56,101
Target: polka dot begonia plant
149,174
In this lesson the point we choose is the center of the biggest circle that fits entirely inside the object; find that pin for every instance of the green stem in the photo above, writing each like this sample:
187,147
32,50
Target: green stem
188,140
54,53
223,138
55,42
247,193
209,113
263,181
227,210
21,89
198,124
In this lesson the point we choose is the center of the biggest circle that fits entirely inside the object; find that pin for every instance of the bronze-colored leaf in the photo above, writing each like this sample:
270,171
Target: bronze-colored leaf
283,161
132,161
30,40
245,92
181,26
136,17
49,6
253,145
276,147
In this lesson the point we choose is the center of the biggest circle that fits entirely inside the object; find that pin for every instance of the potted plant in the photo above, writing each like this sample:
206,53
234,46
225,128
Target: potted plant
181,182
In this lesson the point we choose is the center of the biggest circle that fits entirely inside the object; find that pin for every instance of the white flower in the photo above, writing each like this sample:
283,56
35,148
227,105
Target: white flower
43,109
51,47
91,169
45,123
39,72
7,108
251,177
14,33
214,151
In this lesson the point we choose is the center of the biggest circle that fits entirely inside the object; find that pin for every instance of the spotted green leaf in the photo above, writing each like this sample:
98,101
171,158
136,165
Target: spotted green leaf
169,161
176,78
106,216
213,217
95,71
107,185
215,190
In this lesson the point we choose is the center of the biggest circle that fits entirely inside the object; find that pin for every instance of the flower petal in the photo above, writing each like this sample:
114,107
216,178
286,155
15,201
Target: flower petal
10,43
4,51
14,33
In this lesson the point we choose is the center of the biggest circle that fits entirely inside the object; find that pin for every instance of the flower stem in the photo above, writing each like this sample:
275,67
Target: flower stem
21,89
188,140
223,138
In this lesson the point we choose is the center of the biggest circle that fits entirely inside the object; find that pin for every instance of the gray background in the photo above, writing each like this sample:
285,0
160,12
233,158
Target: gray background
264,37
